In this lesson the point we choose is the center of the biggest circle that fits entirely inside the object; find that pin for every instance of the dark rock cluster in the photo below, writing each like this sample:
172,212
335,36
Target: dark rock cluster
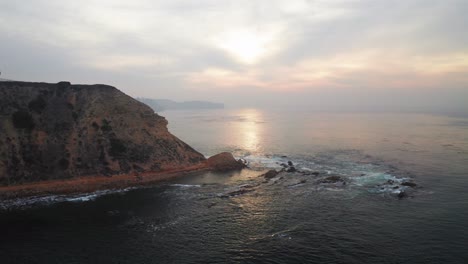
224,162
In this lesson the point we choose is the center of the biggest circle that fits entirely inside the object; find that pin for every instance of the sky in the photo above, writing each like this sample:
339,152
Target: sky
330,55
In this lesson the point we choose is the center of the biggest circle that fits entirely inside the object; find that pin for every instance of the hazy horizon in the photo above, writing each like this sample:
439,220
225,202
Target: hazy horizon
403,56
342,138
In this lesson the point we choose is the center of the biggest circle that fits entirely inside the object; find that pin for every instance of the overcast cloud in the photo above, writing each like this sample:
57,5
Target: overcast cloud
407,55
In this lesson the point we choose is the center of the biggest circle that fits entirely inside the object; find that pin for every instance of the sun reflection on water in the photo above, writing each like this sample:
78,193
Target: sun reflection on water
249,129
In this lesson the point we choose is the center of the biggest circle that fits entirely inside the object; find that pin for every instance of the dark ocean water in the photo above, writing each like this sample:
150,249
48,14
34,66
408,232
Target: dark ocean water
295,219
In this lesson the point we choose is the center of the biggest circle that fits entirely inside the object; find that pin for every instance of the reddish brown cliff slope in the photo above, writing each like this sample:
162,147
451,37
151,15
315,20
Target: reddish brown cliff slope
62,131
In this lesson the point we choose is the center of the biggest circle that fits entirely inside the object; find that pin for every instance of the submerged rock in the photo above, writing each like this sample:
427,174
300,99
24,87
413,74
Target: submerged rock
402,195
270,174
242,190
243,161
409,184
294,184
224,162
332,179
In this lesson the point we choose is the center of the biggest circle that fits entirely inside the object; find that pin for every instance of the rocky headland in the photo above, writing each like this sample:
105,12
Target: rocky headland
62,138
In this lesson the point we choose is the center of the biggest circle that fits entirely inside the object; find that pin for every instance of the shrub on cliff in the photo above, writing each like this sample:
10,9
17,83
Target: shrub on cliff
37,105
117,147
23,120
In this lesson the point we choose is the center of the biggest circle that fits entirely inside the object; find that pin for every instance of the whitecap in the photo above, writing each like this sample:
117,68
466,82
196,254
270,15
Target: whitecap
272,162
186,185
374,178
51,199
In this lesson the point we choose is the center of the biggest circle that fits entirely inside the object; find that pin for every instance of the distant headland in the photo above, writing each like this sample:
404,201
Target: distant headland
160,105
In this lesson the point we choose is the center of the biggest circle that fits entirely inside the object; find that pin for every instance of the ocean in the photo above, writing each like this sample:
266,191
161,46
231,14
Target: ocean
296,217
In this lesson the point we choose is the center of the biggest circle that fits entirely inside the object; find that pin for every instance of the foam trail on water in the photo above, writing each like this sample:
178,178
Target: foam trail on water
24,203
186,185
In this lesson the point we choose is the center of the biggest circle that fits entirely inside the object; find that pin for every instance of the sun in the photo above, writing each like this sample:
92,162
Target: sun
244,46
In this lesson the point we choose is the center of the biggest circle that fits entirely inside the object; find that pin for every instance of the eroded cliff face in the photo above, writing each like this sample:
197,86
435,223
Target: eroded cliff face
58,131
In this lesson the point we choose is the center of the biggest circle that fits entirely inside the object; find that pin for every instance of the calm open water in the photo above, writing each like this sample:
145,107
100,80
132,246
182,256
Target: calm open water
294,219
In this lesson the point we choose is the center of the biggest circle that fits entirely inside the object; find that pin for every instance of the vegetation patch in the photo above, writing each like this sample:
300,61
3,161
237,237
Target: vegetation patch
63,85
62,126
63,164
23,120
37,105
139,153
106,127
117,147
95,125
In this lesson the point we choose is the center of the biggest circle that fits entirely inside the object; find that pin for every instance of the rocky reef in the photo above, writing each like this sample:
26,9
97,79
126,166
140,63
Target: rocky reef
62,131
224,161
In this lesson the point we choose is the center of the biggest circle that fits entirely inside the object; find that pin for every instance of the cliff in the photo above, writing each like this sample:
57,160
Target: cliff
62,131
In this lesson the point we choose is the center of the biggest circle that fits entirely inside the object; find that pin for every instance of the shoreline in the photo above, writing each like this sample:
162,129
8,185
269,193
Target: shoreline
220,162
86,184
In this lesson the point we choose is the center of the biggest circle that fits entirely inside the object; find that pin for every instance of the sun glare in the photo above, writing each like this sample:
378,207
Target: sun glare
245,46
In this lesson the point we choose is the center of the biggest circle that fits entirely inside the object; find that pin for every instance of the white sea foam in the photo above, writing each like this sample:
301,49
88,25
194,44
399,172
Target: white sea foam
51,199
334,189
265,162
373,177
84,198
186,185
